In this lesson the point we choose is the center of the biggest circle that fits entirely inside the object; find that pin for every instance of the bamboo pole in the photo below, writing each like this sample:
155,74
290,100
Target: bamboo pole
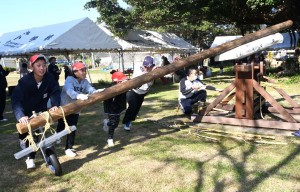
159,72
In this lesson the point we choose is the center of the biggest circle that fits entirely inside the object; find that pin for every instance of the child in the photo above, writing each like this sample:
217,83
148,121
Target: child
32,94
191,91
135,97
76,87
113,107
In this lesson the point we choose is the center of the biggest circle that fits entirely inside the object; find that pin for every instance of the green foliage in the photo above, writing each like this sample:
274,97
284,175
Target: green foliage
103,82
295,79
10,69
195,20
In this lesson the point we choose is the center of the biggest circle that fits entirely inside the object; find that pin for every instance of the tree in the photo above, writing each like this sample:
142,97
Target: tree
196,20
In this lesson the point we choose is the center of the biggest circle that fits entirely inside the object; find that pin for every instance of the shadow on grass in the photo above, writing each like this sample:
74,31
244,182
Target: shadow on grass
89,135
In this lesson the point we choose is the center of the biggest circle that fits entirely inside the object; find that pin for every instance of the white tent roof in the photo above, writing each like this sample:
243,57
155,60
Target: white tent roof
219,40
140,40
79,35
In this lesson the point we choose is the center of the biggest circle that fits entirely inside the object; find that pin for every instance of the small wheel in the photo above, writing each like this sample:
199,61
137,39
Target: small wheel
53,161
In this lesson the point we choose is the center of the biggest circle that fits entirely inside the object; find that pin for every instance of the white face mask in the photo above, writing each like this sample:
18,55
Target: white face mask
194,78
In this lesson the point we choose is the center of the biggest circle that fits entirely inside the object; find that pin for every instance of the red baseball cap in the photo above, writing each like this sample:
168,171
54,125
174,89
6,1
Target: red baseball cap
77,66
118,76
35,57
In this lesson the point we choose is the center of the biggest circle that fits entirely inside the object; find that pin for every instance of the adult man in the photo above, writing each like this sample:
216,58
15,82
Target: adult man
53,68
191,91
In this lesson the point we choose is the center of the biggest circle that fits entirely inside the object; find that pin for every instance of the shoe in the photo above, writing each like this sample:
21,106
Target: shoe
105,126
22,144
3,119
70,153
30,163
127,126
201,105
110,142
297,133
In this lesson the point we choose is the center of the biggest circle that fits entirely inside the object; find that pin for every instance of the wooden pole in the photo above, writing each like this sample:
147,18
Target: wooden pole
159,72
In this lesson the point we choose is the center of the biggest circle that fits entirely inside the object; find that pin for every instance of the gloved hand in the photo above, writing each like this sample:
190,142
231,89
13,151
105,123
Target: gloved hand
82,96
98,90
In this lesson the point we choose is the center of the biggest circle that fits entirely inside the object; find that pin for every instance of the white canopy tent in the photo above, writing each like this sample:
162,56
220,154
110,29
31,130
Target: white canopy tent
146,40
77,36
271,42
138,43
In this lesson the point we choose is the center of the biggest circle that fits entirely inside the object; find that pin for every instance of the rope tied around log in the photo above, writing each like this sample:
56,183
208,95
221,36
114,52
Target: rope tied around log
67,127
30,139
46,115
49,121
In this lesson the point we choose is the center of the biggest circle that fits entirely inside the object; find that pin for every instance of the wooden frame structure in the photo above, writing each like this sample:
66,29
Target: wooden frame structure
250,97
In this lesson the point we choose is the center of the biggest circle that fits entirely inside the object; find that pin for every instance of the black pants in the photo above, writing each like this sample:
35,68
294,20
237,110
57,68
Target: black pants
35,139
71,120
2,102
186,104
134,101
113,123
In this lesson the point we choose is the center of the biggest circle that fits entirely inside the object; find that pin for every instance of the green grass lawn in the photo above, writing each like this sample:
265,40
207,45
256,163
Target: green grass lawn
153,157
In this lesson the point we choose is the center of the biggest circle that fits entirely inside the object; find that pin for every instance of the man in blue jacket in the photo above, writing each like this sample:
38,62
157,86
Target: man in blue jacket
31,95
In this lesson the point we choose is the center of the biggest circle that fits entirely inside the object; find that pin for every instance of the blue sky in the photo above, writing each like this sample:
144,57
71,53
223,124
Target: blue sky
23,14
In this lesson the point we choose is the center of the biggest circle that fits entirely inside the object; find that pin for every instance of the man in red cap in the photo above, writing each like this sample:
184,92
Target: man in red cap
31,95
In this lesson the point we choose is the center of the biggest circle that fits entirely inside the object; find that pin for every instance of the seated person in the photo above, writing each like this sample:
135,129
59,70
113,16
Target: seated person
191,91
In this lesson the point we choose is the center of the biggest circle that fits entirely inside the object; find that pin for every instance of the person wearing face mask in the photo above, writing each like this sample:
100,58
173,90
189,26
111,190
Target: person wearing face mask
191,91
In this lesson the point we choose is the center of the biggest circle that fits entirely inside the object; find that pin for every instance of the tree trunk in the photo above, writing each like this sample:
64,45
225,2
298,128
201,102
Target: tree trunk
159,72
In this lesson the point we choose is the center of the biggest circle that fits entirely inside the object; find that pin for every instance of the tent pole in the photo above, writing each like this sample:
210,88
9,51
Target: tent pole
119,58
87,68
159,72
122,54
132,55
93,60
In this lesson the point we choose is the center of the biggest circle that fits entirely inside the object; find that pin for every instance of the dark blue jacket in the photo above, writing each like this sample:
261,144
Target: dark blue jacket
115,105
3,82
26,97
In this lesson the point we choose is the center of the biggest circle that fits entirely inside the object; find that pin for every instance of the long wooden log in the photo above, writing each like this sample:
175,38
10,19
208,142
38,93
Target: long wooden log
138,81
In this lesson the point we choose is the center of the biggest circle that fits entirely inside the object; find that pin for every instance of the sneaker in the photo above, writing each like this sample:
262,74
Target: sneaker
70,153
22,144
3,119
105,126
201,105
30,163
127,126
297,133
110,142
